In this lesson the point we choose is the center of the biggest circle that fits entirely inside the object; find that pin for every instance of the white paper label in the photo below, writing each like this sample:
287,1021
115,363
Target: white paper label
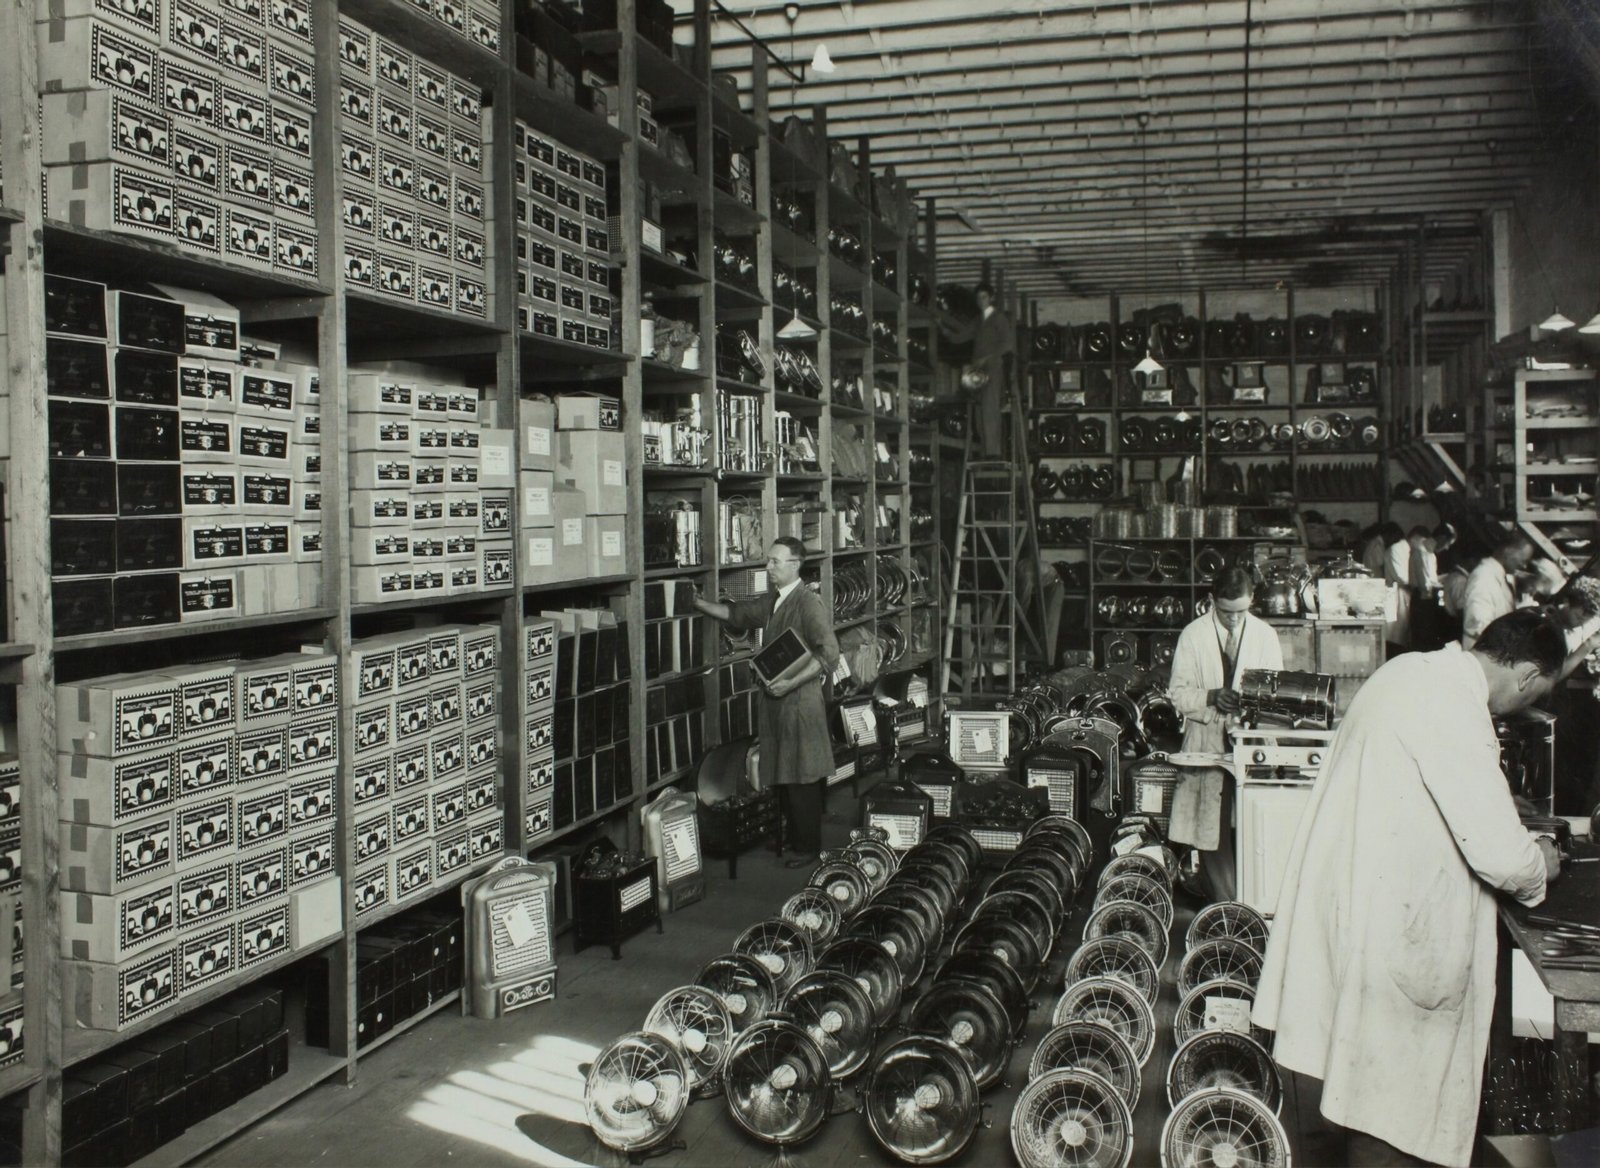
1150,799
494,460
538,440
519,926
610,543
1227,1014
982,742
541,551
571,532
611,472
536,500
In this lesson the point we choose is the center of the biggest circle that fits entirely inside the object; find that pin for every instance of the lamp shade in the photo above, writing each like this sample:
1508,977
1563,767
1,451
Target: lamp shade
1555,322
820,61
796,330
1149,365
1591,326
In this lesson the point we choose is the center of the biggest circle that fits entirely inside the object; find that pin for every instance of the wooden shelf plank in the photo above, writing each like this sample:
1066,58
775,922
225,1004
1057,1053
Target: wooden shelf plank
559,352
550,113
114,257
144,636
571,585
421,1016
422,603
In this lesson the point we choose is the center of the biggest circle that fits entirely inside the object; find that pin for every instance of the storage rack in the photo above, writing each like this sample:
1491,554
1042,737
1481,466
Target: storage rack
1285,378
344,325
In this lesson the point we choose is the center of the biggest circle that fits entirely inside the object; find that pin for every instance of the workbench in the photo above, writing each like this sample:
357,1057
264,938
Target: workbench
1575,897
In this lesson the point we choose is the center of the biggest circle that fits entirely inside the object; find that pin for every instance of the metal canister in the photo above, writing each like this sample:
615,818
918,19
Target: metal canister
1222,522
1279,695
1164,519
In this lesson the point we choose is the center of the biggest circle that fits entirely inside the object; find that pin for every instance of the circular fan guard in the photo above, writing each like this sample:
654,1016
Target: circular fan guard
1071,1119
777,1083
837,1014
1036,884
870,965
1117,1004
844,883
994,974
1155,895
1220,959
1118,957
1042,858
1058,822
932,879
1006,939
636,1093
922,1101
1224,1059
1134,921
814,913
1226,1128
1089,1046
1026,909
921,904
896,930
1135,864
780,947
1228,918
876,860
969,1017
1190,1018
944,856
1066,845
960,838
695,1020
743,984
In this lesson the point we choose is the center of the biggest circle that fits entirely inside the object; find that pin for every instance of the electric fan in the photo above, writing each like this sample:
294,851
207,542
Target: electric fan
1036,884
1220,959
844,883
1217,1005
897,931
1039,858
1154,894
921,904
934,879
873,856
695,1021
1006,939
743,984
777,1083
812,912
922,1101
1065,844
944,856
872,968
1089,1046
837,1013
1124,918
780,947
1026,910
1066,824
1220,1127
970,1017
996,975
1135,864
1119,957
961,839
1071,1119
636,1093
1229,918
1224,1058
1117,1004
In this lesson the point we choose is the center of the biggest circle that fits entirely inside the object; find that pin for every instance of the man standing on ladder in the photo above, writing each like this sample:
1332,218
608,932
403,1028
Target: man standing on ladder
994,338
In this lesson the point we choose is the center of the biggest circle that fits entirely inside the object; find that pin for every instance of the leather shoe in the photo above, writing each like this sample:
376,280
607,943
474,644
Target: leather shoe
800,862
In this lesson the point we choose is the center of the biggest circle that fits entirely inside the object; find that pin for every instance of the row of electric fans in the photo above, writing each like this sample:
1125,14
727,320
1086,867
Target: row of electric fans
795,1009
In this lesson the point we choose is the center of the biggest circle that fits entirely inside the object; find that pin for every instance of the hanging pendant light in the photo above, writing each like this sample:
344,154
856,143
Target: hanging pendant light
1556,322
1591,326
796,330
820,61
1149,365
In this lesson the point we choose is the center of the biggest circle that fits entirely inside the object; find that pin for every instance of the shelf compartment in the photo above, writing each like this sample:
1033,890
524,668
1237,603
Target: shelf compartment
735,297
660,371
727,115
669,83
421,1016
679,184
792,248
491,596
573,585
797,403
83,642
550,113
730,213
658,270
378,329
555,351
111,257
428,37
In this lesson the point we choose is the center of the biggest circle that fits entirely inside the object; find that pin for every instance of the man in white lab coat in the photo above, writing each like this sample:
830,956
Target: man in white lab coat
1380,969
1213,652
1490,592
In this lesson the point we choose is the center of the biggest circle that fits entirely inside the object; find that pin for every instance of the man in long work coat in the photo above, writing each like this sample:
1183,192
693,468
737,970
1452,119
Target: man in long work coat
792,725
994,338
1213,651
1380,969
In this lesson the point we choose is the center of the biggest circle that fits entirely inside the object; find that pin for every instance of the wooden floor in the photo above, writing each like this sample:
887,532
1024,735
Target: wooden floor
509,1092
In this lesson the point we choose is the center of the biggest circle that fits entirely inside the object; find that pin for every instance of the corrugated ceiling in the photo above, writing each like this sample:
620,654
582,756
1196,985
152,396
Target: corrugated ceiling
1056,136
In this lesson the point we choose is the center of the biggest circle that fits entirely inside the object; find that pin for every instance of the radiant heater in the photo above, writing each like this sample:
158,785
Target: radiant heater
672,838
510,946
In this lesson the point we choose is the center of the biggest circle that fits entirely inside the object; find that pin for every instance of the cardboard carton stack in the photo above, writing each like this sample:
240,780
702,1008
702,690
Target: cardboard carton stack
574,490
198,830
414,190
188,121
428,803
185,464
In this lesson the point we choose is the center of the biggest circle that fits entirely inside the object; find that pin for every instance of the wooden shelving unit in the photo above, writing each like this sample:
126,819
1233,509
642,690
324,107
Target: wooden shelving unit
345,325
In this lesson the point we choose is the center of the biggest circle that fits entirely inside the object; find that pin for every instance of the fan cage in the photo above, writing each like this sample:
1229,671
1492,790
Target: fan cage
655,1093
1155,895
947,1011
695,1020
1191,1016
743,984
1032,882
953,835
794,1083
1005,939
844,883
871,967
1200,1062
831,1003
898,931
781,948
1117,957
814,913
1220,959
1116,1004
922,1101
1135,864
1027,908
1221,1126
1134,921
921,904
1071,1119
1229,918
1070,826
999,978
1089,1046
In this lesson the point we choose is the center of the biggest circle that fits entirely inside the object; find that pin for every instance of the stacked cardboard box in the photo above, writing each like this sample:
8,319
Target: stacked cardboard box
185,474
415,181
403,966
575,714
184,120
563,255
475,20
574,485
430,489
427,787
673,646
198,828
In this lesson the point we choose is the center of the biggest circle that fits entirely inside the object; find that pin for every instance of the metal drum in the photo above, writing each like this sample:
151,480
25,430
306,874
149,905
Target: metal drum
1222,522
1302,700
